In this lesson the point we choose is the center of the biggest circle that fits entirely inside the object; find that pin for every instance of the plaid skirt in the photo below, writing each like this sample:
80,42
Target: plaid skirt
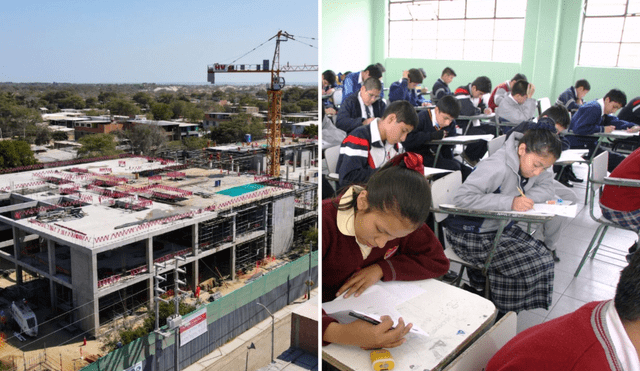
626,219
520,274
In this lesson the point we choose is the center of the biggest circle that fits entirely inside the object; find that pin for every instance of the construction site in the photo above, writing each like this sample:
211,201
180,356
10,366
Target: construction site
90,237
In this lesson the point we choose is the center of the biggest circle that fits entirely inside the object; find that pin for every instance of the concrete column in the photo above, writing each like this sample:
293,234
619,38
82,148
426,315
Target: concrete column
196,252
84,278
151,270
51,250
233,262
18,240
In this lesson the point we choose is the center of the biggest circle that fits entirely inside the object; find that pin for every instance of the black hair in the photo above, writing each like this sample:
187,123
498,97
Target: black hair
559,114
618,96
423,72
415,75
381,67
396,189
520,87
482,83
519,76
330,76
404,112
374,71
542,142
449,105
627,299
582,83
449,71
372,84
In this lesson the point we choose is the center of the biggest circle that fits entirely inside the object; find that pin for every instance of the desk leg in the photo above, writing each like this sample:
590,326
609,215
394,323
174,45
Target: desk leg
435,160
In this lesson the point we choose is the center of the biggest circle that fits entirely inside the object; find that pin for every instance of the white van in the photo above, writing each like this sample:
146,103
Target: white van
25,318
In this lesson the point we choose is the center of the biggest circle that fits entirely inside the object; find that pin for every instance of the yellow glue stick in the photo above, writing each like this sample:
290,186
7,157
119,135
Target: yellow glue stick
381,360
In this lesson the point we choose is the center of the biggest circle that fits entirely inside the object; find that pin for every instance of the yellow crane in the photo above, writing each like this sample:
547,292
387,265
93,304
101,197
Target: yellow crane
274,123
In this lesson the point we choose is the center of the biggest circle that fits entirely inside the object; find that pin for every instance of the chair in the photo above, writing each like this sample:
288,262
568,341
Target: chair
597,179
495,144
331,155
478,354
543,104
442,195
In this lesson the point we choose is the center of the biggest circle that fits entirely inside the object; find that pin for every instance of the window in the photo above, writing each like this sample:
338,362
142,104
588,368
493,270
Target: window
610,34
477,30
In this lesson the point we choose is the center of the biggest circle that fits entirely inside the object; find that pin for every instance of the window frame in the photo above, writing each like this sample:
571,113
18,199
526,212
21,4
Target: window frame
465,18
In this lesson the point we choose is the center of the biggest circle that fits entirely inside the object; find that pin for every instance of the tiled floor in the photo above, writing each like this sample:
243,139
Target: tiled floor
597,279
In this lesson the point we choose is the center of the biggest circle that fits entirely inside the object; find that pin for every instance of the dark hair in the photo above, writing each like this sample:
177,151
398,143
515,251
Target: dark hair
404,112
559,114
374,71
520,87
415,75
482,83
449,105
381,67
519,76
582,83
448,71
542,142
423,72
627,299
618,96
330,76
396,189
372,84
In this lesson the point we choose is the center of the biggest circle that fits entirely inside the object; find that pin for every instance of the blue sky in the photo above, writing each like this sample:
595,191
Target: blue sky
156,41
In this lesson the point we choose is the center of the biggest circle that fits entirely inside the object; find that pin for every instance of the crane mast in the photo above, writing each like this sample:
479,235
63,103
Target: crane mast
274,124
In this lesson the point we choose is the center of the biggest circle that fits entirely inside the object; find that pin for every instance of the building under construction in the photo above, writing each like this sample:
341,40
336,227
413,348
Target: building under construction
98,232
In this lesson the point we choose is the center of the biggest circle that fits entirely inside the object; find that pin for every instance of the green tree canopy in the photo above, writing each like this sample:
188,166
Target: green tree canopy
161,111
308,104
122,107
97,145
14,153
143,99
145,139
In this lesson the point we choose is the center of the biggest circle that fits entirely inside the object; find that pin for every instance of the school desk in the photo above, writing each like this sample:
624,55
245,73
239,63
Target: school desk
453,318
459,139
475,119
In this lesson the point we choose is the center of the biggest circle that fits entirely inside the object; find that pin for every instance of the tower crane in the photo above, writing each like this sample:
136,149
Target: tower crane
274,93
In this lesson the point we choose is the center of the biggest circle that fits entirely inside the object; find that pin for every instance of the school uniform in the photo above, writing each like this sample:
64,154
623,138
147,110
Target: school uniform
399,90
619,204
591,119
569,99
514,112
352,84
418,141
498,94
362,152
590,339
470,106
631,112
353,112
440,90
521,272
417,256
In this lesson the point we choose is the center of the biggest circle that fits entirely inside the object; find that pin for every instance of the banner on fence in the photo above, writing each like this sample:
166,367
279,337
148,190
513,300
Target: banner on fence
194,326
136,367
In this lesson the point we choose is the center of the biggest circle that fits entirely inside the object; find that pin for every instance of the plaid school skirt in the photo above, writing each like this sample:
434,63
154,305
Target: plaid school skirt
520,274
626,219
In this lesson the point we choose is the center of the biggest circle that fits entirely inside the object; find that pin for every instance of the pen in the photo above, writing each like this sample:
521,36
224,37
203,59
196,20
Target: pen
521,193
364,318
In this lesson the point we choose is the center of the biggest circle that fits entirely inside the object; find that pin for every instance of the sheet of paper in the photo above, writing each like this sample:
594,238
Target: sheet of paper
624,132
432,171
572,155
561,210
464,138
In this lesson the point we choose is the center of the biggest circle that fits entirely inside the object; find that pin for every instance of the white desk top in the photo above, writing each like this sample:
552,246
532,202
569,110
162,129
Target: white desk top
572,155
463,139
430,171
477,117
451,316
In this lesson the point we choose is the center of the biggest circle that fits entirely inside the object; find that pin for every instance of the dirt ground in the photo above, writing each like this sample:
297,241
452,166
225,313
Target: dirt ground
71,352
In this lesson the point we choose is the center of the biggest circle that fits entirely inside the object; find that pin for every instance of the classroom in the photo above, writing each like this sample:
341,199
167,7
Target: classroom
554,44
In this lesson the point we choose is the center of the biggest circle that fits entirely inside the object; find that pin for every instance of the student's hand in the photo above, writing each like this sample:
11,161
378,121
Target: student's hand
361,280
633,129
438,135
487,111
329,92
368,121
530,90
521,203
368,336
609,128
405,74
424,104
329,111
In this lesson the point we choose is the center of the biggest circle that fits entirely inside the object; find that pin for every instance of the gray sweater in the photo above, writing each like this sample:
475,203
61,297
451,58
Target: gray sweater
511,111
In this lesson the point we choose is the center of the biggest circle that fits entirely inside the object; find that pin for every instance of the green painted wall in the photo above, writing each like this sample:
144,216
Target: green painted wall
552,31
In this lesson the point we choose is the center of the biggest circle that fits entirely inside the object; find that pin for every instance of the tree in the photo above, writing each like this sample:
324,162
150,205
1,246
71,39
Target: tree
145,139
14,153
59,135
195,142
166,98
311,130
290,108
308,104
73,101
97,145
161,111
143,99
122,107
106,96
43,135
91,102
